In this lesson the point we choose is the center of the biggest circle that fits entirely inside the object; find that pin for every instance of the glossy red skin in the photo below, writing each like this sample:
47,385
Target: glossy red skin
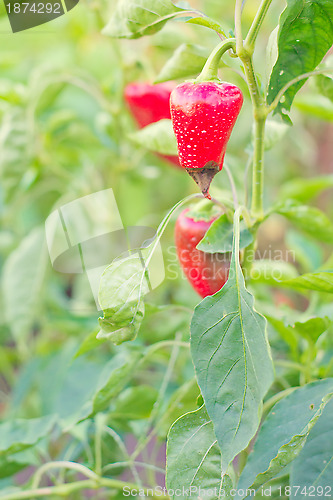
203,116
206,272
150,103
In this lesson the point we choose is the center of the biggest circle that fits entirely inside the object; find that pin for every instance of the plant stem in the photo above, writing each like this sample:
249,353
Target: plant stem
258,169
210,69
99,423
238,26
256,25
62,464
259,115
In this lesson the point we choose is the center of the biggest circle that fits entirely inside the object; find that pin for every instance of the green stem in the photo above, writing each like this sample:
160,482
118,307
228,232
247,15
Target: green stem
99,423
209,72
62,464
256,25
259,115
258,170
238,26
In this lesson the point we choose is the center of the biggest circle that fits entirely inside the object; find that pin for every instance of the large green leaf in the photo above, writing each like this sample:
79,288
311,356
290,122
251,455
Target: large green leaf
23,276
310,219
284,432
19,434
135,18
219,237
314,465
194,457
158,137
305,35
232,360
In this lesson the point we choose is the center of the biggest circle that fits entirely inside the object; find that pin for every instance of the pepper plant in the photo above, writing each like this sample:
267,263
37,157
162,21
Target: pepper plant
216,447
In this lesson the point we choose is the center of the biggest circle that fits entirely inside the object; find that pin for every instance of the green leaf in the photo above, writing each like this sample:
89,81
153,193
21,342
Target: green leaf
12,464
117,372
321,282
16,151
312,328
325,85
136,18
314,465
305,251
270,271
187,60
83,387
193,455
232,361
122,287
303,190
286,333
310,219
89,344
219,237
22,280
135,403
315,105
158,137
208,23
284,432
305,35
19,434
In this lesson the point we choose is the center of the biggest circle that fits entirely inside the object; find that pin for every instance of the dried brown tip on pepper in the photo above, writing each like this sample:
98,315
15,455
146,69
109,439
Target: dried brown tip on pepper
204,176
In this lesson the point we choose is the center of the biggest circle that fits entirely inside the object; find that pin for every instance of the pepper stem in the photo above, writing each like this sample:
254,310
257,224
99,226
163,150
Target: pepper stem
210,69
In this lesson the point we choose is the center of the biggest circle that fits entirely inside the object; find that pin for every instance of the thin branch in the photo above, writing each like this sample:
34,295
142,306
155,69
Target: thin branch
62,465
256,25
232,185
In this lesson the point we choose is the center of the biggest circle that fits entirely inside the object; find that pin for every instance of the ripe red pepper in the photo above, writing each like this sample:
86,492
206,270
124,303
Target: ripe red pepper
206,272
150,103
203,116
